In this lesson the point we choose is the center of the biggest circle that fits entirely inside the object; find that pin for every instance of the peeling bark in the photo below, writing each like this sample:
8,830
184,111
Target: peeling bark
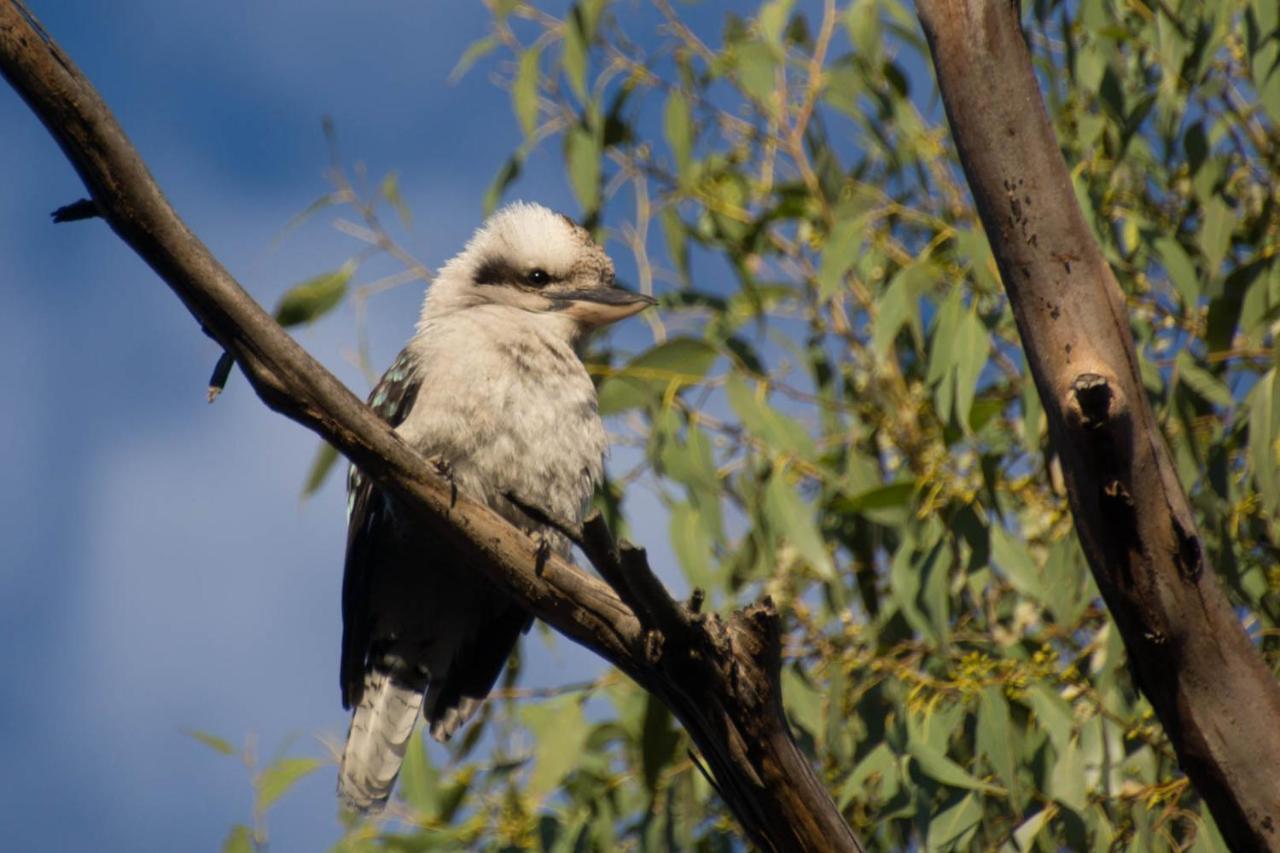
1218,702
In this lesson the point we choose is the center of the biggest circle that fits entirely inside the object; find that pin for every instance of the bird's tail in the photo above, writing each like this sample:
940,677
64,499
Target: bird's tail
468,670
377,740
446,717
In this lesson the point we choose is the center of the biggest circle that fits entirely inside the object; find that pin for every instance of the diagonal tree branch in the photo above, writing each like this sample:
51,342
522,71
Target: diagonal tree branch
1218,702
720,679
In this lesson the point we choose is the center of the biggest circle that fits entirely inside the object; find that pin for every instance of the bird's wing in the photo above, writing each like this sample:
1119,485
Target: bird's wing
368,533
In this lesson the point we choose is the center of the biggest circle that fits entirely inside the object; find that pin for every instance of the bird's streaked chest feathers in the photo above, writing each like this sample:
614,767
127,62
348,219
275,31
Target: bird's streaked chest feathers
504,399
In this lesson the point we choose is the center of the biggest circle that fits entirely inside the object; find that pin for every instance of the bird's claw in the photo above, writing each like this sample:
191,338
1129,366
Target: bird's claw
445,469
542,550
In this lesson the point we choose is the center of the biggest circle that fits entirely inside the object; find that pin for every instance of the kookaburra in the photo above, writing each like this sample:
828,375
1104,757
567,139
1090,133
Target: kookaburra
491,386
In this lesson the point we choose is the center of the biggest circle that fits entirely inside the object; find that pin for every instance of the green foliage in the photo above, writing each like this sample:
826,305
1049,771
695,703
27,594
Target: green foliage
269,783
835,412
276,779
238,840
315,297
326,457
214,742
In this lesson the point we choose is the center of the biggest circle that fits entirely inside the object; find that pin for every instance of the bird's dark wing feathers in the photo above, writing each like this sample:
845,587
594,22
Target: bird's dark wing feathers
368,516
379,557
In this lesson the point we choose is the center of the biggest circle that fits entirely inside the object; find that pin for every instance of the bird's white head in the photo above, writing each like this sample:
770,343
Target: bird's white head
528,260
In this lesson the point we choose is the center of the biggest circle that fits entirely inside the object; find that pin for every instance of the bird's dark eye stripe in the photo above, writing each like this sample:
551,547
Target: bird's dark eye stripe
500,271
496,271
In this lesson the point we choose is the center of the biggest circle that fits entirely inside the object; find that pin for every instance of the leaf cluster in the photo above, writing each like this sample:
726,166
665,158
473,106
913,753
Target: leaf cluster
835,411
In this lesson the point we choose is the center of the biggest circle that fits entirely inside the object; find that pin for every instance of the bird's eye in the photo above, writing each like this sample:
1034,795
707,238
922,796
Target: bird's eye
538,277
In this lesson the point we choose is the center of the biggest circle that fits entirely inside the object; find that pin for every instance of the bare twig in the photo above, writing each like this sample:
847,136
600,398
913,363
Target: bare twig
77,210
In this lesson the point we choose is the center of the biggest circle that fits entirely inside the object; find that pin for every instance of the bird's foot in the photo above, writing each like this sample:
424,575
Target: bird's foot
570,530
542,550
445,469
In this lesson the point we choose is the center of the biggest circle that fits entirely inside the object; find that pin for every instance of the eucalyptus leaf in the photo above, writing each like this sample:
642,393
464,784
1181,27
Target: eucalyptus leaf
507,175
315,297
560,732
573,57
1025,835
321,465
658,743
657,373
756,64
773,20
276,780
1205,384
779,431
214,742
476,51
839,252
938,766
803,702
524,91
995,736
1181,271
678,123
1215,234
238,840
953,827
795,520
583,153
971,348
1067,781
419,784
389,189
691,544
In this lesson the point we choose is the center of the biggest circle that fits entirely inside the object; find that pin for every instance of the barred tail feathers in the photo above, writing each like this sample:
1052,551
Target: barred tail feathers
444,720
380,729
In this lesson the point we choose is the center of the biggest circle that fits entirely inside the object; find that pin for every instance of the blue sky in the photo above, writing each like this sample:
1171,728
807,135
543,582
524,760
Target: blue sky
158,568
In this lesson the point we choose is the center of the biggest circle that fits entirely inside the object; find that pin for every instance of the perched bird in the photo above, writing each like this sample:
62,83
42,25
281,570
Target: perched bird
491,386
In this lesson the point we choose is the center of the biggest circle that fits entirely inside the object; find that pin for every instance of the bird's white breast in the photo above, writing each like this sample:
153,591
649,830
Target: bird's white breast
506,402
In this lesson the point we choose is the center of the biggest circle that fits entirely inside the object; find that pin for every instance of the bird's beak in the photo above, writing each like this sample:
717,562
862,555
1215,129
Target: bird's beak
601,306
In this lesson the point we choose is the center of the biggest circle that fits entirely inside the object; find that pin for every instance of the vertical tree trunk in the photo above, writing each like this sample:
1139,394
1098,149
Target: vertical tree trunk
1217,700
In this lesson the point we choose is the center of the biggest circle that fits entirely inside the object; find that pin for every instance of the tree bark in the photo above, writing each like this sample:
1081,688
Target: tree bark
721,680
1218,702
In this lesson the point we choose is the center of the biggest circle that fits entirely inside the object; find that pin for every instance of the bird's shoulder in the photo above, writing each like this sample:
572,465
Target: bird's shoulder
391,399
